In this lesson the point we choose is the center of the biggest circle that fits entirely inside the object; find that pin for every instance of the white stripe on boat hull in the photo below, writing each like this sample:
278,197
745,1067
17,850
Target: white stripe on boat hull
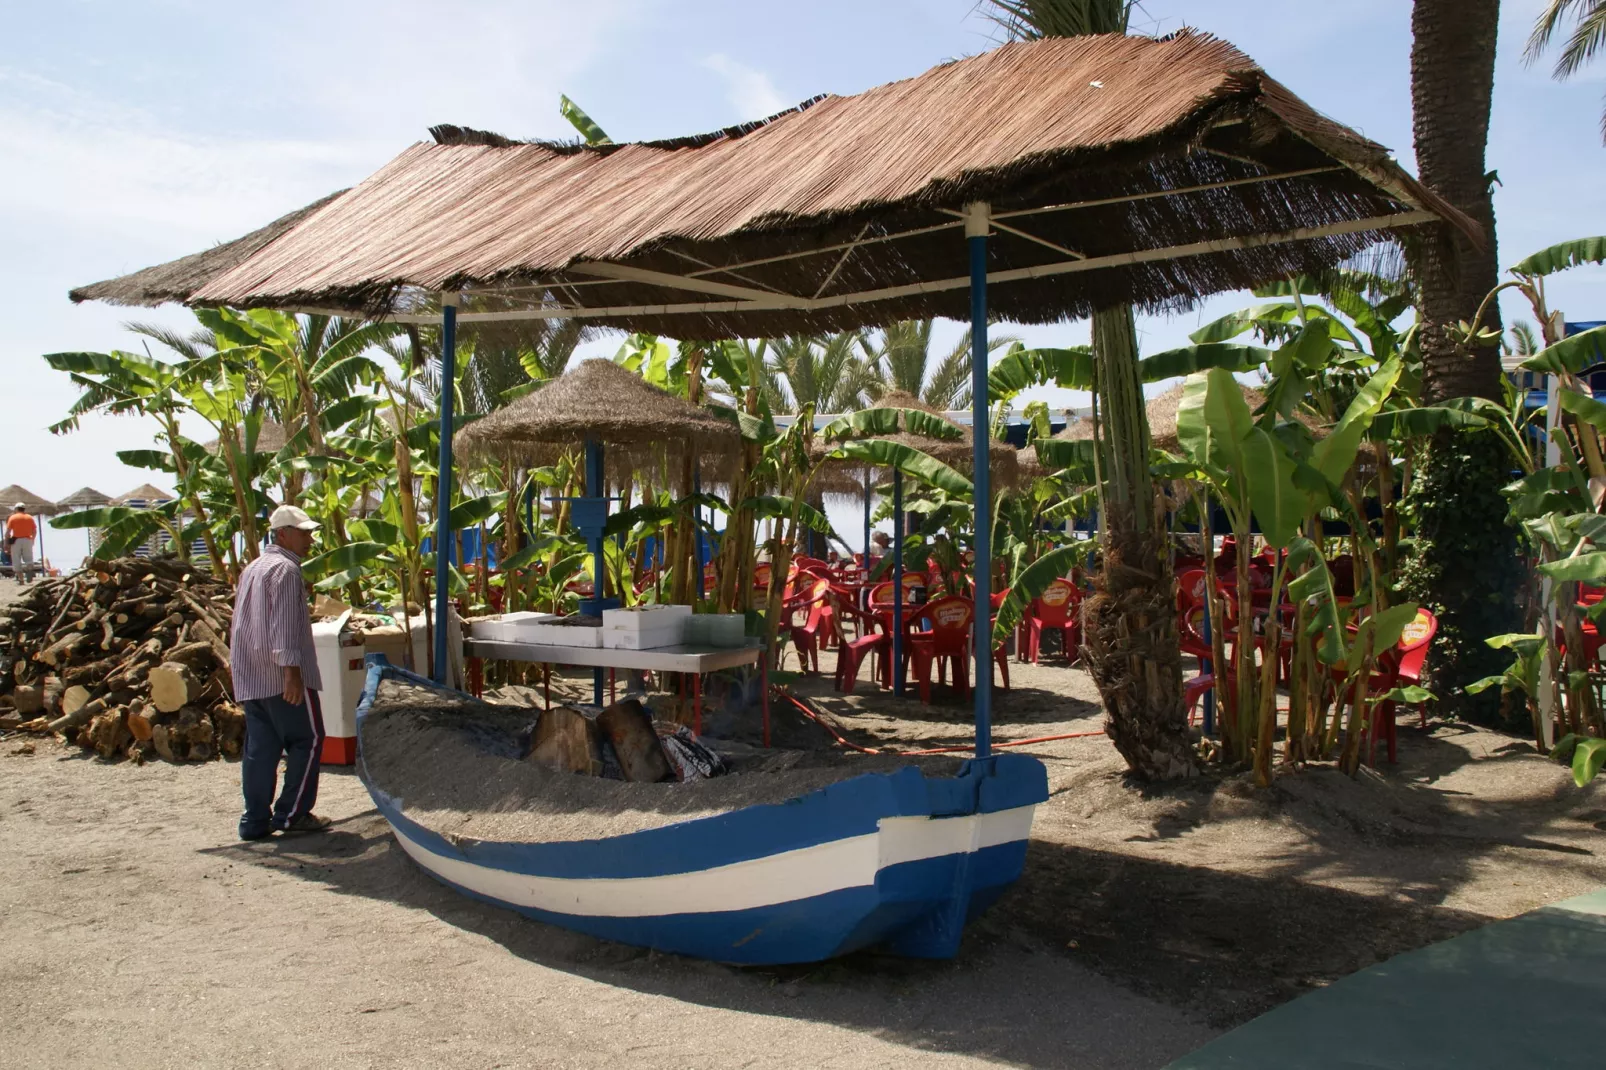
779,878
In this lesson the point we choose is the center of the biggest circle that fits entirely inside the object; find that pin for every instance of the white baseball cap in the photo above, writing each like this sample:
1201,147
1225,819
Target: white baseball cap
288,516
20,505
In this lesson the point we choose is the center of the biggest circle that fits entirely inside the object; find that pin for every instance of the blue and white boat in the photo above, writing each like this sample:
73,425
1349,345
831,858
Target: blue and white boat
898,859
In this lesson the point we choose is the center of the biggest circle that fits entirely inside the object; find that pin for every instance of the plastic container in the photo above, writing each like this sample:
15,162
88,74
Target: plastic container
727,630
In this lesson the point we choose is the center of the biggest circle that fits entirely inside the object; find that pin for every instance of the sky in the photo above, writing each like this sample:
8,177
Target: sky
136,133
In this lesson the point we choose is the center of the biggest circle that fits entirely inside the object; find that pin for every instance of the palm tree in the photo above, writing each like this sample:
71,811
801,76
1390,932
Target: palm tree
1131,618
1456,495
1589,34
900,357
817,370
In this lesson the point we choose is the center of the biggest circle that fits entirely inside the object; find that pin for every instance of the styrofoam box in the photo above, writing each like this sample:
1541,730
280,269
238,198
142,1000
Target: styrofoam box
645,619
506,627
556,634
649,639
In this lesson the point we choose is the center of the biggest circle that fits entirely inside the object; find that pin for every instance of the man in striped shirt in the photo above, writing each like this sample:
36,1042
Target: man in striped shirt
276,679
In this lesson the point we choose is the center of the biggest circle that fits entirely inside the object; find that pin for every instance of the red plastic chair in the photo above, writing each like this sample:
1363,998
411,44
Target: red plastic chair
1401,667
1058,608
851,653
948,644
806,636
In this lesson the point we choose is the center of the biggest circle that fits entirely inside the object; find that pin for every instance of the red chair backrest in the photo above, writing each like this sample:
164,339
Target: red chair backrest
1191,589
1058,602
761,575
950,619
1414,643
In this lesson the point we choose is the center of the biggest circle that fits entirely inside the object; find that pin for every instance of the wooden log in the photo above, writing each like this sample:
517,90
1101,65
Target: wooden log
74,698
61,649
108,733
28,698
92,672
142,718
162,744
173,686
566,740
629,728
77,718
197,656
228,720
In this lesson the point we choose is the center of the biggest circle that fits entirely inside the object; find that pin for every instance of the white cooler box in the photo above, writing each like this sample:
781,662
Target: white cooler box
644,627
340,653
341,650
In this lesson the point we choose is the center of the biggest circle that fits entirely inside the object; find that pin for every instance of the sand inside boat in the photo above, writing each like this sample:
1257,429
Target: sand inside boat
456,765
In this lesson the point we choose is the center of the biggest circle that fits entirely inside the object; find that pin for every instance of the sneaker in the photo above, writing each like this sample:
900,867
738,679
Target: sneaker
255,834
306,823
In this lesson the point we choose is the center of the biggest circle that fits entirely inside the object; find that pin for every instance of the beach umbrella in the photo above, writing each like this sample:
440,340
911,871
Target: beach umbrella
611,412
143,497
83,498
36,505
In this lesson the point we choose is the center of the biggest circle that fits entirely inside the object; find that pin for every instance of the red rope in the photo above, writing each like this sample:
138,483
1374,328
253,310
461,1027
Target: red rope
811,715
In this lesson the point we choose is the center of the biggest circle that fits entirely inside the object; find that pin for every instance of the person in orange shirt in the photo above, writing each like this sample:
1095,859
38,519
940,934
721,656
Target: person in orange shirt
21,530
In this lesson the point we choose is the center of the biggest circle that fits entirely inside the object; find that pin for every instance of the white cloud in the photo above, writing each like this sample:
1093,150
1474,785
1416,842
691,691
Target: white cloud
749,90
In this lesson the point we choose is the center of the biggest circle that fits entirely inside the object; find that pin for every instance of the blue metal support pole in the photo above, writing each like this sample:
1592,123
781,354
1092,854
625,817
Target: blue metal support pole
697,532
897,582
867,521
443,486
597,489
977,219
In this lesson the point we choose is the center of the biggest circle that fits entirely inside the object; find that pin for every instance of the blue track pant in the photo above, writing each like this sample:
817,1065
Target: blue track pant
274,728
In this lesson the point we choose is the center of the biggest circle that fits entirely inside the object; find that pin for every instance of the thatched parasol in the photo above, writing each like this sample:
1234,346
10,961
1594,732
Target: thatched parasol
36,505
641,425
83,498
1162,415
143,493
1161,412
957,453
271,438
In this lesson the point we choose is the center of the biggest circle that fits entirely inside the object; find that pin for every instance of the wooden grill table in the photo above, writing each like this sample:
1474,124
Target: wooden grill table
690,661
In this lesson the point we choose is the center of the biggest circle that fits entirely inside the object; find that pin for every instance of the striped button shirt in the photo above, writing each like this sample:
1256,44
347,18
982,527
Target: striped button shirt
272,627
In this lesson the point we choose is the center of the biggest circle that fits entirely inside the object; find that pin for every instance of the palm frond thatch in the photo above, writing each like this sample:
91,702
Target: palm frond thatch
643,427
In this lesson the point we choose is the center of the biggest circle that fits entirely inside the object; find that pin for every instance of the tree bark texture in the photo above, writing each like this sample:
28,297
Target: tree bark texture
1131,647
1465,567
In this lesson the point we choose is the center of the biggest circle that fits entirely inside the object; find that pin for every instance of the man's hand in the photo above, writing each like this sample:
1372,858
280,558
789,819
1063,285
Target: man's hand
294,692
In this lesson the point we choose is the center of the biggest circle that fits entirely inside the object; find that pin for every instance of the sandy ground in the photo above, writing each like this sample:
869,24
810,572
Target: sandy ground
137,933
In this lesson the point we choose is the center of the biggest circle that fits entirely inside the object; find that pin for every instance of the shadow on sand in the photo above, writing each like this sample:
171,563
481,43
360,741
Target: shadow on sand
1218,947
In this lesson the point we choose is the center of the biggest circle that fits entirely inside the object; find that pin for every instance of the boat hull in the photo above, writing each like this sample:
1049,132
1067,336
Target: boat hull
895,859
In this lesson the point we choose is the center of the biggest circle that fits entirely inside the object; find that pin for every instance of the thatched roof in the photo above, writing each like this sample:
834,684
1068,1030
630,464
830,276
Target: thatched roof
1153,172
176,280
598,399
959,453
143,493
36,505
1162,414
1161,411
271,438
83,498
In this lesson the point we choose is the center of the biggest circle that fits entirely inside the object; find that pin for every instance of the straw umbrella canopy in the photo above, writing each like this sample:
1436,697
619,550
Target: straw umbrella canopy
957,453
35,504
83,498
1162,414
271,438
143,493
599,401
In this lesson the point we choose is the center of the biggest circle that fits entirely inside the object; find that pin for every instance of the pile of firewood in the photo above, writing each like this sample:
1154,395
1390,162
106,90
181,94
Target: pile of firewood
128,657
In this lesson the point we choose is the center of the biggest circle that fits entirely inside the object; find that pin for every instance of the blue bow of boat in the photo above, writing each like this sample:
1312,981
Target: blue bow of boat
896,859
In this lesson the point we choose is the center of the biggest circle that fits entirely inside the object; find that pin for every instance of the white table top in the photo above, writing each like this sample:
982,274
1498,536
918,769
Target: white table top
698,659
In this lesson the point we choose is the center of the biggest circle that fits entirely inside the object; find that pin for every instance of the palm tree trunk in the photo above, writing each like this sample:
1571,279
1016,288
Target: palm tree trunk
1461,530
1132,648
